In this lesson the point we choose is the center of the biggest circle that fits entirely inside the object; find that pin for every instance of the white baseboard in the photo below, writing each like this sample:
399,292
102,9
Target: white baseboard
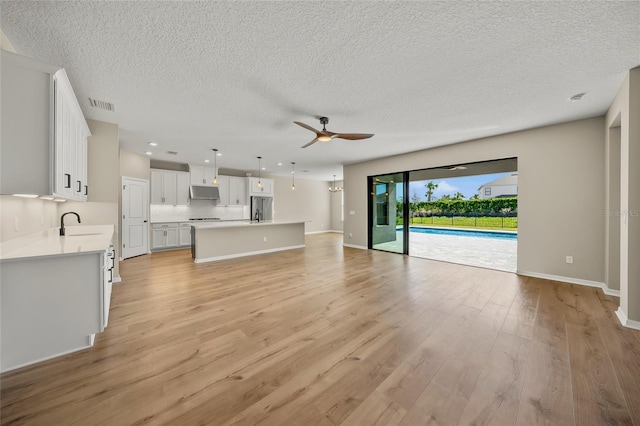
355,246
335,231
328,231
606,290
90,340
116,280
249,253
624,320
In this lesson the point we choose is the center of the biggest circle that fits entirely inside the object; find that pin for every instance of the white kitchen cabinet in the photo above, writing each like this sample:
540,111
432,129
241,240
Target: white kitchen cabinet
238,191
201,175
223,188
185,234
266,190
164,235
169,187
44,134
54,304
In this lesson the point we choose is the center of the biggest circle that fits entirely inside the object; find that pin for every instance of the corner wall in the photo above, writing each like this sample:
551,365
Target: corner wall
560,193
623,195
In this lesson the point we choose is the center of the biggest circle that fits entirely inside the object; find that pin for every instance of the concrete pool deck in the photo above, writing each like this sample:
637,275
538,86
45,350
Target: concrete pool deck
481,252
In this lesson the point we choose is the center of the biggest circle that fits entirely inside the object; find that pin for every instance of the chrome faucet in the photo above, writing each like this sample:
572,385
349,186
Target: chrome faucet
62,221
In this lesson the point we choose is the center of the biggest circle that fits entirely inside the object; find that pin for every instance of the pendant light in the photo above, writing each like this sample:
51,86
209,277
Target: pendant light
334,188
293,176
215,165
259,185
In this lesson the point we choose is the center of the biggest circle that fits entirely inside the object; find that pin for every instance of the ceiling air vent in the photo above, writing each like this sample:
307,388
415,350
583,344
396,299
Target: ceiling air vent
108,106
172,153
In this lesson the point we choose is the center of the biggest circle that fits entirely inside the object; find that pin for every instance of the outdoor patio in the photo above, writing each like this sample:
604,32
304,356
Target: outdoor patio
473,251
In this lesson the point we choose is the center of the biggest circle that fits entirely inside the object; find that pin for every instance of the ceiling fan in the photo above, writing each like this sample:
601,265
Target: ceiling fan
325,136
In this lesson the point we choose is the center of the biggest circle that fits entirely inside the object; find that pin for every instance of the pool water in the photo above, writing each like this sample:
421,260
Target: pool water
464,233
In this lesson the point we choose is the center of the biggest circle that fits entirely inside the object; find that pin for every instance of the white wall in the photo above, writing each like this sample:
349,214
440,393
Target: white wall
22,216
560,193
309,202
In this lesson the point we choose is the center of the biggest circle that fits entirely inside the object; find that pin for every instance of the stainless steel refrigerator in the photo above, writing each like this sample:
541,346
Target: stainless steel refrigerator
262,209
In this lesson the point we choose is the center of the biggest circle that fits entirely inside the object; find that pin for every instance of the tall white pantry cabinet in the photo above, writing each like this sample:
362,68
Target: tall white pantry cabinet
44,133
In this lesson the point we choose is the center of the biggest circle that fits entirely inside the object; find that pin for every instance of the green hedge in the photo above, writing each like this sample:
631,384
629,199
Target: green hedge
466,207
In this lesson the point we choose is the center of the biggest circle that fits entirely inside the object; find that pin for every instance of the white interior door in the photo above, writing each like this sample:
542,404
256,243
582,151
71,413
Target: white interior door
135,209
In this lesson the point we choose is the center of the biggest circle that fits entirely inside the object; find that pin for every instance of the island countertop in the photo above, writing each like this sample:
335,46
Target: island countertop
78,239
243,223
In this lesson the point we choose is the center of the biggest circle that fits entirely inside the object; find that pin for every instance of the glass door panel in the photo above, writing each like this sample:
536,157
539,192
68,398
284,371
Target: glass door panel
386,212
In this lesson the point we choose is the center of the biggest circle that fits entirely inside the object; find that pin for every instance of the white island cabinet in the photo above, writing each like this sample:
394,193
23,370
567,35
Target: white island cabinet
55,293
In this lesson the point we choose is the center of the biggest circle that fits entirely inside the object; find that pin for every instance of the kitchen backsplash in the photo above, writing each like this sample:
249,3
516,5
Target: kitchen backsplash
198,208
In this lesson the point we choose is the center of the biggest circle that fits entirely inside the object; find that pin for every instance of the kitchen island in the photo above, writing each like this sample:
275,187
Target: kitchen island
56,292
226,240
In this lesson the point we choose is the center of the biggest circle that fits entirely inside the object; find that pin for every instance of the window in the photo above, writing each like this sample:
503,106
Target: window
382,204
487,190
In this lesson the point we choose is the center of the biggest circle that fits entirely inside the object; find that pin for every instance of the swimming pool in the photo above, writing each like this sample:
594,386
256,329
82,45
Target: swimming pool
464,233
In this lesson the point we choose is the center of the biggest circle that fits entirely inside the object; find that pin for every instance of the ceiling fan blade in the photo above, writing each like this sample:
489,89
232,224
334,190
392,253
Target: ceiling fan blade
306,126
352,136
310,143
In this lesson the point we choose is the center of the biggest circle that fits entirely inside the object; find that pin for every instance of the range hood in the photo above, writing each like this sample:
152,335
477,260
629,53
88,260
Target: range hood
204,192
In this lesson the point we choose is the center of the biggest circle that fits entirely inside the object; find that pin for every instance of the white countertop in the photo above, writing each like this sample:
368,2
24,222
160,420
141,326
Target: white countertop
243,224
78,239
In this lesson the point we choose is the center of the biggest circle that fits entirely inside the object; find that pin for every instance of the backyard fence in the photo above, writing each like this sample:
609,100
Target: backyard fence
504,221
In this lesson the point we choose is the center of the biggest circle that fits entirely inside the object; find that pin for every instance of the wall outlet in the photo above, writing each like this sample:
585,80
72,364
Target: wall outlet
16,223
352,212
265,239
569,259
350,235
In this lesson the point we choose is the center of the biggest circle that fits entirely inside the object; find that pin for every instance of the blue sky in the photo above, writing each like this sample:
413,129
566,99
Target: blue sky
467,185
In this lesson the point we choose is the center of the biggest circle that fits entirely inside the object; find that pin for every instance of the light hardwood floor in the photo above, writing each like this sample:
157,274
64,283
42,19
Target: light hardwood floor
328,335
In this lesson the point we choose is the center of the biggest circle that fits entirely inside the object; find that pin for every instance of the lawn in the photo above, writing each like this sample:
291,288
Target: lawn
483,222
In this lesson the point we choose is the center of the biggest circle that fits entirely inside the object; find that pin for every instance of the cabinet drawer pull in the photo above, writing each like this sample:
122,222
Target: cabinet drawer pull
79,186
86,190
67,183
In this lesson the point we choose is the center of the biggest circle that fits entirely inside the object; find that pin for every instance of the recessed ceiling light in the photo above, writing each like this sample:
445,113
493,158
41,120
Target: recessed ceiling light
264,168
149,153
219,154
279,164
577,97
206,161
153,144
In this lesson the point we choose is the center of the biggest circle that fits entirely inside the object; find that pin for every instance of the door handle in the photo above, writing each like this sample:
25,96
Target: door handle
145,221
67,184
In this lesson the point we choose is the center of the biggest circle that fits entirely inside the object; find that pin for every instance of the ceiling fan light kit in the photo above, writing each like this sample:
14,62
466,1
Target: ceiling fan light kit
325,136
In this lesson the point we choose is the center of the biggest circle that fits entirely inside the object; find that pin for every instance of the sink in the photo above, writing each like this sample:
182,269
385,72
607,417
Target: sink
84,235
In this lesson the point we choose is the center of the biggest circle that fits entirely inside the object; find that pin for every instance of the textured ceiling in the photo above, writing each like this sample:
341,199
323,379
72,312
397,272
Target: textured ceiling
192,76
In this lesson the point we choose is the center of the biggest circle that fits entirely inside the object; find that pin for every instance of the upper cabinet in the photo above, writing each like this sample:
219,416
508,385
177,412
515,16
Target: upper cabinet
169,188
233,191
201,175
44,134
264,190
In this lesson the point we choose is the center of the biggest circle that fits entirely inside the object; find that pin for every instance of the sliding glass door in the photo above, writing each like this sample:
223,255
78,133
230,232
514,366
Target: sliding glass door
387,213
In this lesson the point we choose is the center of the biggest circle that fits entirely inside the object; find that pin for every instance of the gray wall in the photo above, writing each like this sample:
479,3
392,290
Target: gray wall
336,206
309,202
561,193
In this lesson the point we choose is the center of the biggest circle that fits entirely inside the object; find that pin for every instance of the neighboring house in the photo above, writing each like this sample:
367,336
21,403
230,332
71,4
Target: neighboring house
506,186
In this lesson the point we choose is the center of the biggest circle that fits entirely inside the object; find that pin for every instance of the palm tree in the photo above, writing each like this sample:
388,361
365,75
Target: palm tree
475,197
458,196
431,187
